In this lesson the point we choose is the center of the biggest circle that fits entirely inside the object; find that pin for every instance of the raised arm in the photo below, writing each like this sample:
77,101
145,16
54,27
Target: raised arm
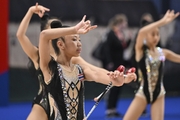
28,47
81,28
168,17
45,36
171,56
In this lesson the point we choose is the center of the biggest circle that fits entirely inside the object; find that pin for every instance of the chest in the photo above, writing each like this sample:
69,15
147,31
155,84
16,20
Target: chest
153,60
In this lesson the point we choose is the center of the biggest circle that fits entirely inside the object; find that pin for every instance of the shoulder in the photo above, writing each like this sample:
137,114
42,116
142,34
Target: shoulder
80,62
79,68
166,52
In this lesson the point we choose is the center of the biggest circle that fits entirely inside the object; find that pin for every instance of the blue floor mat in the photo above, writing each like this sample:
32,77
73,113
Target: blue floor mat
20,111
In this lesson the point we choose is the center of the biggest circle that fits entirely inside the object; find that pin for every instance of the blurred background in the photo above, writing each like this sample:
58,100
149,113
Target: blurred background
18,85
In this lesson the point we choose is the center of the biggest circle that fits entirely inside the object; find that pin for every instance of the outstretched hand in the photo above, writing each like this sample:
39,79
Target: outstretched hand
130,75
84,26
117,77
170,16
39,9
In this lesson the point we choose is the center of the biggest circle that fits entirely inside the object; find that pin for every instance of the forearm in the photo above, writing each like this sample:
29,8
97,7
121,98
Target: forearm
151,26
104,78
51,34
171,56
24,24
100,77
94,68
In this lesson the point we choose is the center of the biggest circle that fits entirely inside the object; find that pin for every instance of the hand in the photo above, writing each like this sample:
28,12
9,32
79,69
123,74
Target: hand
84,26
130,75
117,77
169,16
38,9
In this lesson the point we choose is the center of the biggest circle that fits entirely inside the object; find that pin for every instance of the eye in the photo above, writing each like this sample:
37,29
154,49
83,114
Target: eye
74,39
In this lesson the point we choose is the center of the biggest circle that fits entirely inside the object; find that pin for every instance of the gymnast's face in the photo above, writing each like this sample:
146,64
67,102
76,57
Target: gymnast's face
153,37
70,45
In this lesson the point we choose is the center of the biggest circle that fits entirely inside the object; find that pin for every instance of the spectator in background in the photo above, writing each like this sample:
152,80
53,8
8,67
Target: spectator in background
116,43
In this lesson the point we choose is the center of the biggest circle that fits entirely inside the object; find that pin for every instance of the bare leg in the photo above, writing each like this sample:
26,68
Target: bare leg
157,109
135,109
37,113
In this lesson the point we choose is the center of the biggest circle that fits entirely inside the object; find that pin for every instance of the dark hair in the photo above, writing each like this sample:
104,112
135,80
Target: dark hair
57,24
44,21
145,22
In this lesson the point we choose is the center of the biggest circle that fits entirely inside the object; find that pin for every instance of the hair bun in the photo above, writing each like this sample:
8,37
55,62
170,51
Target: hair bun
56,24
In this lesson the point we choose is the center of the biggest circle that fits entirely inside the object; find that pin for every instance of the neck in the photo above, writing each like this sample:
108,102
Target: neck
64,60
152,48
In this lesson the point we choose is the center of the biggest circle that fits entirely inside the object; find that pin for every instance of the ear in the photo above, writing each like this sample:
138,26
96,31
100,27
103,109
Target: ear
61,44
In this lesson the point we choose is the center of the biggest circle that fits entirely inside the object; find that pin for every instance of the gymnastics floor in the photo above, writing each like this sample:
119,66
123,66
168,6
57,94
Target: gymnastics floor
19,111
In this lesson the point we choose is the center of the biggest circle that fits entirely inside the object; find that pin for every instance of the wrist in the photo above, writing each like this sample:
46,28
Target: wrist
162,22
31,10
75,29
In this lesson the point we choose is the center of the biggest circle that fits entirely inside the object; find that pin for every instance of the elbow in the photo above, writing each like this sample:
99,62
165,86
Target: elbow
19,35
144,31
141,31
43,34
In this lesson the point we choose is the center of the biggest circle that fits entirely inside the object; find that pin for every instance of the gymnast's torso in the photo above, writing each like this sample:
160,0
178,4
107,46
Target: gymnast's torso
41,98
66,88
150,72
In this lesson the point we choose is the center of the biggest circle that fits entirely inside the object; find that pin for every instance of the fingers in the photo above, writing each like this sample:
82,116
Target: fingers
173,14
84,17
88,22
88,26
36,5
111,74
176,15
115,74
121,68
131,70
84,26
130,77
46,9
92,27
40,10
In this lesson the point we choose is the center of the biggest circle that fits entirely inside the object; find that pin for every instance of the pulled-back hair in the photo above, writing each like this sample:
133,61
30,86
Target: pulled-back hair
56,24
44,21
